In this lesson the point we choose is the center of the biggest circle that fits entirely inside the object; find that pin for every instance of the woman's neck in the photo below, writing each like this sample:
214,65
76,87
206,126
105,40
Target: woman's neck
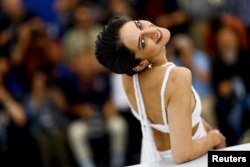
159,60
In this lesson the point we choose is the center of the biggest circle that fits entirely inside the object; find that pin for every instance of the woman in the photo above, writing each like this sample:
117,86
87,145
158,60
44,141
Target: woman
161,95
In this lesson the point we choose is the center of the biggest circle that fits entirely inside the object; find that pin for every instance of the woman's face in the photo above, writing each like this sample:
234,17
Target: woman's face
227,40
144,38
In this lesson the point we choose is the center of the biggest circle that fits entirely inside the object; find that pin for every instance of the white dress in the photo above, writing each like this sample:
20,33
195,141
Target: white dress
149,151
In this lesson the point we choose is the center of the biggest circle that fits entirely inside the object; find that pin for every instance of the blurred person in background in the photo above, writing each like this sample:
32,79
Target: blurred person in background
34,49
199,13
227,43
113,8
165,13
134,135
83,31
64,14
240,9
12,122
95,119
45,122
12,16
88,98
187,55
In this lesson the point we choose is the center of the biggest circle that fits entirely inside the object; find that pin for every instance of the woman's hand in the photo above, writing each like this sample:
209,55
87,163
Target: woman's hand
219,141
216,135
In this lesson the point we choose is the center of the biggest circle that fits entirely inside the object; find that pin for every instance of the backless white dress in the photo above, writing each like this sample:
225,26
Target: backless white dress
149,151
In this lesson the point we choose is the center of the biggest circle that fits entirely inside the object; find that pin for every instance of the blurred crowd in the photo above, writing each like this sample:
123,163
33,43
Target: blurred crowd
59,107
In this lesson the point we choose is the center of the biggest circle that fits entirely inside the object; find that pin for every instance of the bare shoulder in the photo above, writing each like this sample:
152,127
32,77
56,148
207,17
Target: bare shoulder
180,77
181,74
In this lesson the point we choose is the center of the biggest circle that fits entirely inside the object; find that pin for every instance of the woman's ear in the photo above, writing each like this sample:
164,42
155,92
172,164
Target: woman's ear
141,66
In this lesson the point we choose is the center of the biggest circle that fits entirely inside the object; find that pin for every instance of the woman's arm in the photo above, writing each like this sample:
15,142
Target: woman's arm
180,120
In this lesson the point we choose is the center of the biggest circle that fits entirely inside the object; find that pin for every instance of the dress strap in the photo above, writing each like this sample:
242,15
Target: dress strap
163,88
145,127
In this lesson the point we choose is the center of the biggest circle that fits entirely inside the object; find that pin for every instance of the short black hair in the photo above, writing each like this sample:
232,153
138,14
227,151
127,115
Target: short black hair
111,52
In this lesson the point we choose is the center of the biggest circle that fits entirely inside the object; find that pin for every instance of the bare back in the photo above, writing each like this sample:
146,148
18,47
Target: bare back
151,82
